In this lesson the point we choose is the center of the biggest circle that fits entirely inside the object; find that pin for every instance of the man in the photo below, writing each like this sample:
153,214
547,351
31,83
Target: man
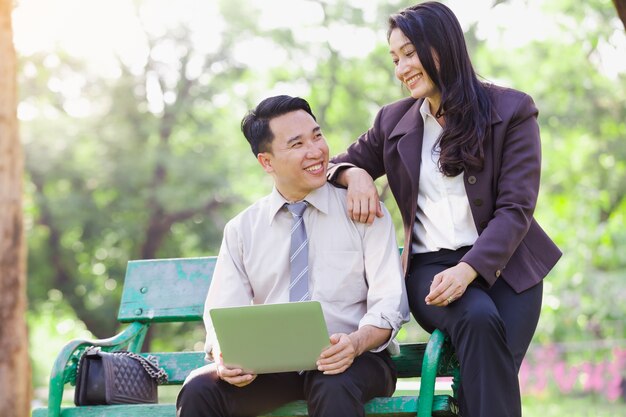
352,269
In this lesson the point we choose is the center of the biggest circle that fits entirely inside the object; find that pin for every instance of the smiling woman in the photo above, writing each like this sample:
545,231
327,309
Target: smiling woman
472,271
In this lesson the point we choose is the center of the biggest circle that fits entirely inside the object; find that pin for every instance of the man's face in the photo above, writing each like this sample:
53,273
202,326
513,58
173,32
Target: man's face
299,156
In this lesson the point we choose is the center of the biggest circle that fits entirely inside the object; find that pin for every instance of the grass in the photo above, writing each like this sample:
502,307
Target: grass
570,406
558,405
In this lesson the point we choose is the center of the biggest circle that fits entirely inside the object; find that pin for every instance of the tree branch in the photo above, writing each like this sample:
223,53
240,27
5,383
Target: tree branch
62,277
160,225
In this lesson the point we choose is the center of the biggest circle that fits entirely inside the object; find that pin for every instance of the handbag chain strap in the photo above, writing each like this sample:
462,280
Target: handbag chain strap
149,363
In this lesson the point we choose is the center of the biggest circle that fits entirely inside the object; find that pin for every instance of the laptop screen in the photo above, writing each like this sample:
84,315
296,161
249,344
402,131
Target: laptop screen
271,338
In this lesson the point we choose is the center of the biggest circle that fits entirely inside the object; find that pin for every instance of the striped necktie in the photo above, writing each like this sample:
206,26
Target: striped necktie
298,254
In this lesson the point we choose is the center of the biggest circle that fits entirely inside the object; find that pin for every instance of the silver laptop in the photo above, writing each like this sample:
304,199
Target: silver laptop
271,338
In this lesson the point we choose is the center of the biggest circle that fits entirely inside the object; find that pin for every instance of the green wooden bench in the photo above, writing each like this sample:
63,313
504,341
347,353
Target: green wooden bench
174,290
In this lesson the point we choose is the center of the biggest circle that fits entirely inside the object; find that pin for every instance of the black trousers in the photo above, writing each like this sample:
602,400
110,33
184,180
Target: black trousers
370,375
490,329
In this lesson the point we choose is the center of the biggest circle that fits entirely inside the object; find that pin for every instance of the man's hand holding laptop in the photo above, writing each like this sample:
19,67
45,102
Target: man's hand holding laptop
345,347
233,376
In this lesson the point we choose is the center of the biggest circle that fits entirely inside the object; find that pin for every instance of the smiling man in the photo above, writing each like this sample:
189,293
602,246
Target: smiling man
296,244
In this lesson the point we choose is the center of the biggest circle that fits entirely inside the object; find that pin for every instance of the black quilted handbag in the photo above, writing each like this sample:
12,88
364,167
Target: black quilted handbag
117,378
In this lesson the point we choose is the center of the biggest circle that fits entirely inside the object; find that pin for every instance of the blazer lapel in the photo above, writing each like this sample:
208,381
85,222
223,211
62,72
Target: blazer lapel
410,130
495,116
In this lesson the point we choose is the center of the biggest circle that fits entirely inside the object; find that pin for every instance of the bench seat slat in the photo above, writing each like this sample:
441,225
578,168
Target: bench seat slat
135,410
443,406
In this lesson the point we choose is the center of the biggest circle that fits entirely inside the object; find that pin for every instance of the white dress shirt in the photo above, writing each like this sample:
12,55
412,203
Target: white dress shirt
444,217
354,269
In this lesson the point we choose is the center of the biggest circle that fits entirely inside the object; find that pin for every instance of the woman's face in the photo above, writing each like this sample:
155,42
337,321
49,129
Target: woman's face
409,68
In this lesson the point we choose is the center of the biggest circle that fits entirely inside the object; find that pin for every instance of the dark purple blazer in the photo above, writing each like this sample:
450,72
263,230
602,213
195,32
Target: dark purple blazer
502,195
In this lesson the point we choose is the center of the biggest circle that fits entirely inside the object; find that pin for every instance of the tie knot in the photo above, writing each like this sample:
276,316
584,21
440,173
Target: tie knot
297,209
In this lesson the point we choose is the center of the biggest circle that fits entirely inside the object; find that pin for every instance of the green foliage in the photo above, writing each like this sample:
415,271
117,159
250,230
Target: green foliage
51,326
150,162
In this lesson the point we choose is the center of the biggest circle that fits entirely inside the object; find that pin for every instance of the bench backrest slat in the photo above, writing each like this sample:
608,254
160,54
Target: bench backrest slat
166,290
179,364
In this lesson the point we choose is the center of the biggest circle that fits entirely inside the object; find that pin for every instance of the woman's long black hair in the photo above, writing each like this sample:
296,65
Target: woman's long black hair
436,34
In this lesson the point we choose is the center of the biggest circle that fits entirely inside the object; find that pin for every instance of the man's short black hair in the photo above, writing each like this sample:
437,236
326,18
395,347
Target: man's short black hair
256,124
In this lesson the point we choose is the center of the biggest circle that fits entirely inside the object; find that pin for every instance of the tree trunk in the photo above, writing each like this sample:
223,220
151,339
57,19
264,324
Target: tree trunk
620,6
15,374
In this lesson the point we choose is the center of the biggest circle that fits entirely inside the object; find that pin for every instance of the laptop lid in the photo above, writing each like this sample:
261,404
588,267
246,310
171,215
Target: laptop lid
269,338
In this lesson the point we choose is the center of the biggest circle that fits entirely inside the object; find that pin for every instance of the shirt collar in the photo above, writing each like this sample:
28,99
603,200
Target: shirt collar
318,198
425,110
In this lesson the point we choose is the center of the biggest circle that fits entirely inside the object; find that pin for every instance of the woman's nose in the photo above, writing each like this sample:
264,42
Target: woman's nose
401,69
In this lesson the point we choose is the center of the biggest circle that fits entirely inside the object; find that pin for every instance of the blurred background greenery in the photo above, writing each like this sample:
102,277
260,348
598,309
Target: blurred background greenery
130,114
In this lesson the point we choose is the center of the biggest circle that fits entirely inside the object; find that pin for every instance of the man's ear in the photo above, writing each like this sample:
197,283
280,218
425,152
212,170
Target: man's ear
265,160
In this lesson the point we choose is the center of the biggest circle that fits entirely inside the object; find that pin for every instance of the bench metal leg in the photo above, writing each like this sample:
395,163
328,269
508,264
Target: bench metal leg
437,347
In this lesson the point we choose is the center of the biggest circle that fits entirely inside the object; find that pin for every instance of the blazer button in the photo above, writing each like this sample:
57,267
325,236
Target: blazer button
498,273
478,202
471,179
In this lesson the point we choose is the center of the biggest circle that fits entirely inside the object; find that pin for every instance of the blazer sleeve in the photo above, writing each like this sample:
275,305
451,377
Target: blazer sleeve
517,188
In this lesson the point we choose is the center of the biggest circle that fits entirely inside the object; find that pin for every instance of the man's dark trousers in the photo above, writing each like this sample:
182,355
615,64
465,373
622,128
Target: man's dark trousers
370,375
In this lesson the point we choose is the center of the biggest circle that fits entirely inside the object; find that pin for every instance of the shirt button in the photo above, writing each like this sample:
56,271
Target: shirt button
483,224
471,179
498,273
478,202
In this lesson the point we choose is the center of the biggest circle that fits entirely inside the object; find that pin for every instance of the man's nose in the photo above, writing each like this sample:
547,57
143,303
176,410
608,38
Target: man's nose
314,150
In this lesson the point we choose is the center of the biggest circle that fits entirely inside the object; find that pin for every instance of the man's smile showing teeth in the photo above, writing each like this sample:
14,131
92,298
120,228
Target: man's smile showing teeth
314,168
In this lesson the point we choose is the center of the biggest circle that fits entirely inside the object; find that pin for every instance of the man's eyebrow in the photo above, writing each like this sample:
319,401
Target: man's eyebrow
293,139
299,137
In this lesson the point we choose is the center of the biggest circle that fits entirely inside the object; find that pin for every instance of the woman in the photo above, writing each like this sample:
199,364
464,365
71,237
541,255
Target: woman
463,161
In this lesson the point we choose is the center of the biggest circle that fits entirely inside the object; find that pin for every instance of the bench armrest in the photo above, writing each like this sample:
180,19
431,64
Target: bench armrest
66,363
